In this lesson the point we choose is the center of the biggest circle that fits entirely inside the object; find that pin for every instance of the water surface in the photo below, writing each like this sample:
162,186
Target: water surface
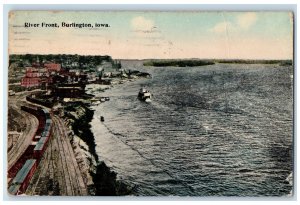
218,130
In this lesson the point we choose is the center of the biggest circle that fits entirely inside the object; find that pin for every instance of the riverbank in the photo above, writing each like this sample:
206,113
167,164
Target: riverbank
101,181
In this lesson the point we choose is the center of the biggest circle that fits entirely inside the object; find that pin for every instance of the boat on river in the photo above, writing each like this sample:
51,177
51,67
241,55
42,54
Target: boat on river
145,95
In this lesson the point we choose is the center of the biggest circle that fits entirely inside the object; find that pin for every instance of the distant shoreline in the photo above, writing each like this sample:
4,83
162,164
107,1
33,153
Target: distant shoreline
195,62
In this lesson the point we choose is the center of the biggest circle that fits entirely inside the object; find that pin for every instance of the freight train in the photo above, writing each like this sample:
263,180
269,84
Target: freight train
21,172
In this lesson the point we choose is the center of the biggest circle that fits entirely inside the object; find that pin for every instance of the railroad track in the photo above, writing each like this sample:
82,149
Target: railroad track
24,140
58,168
63,162
35,184
39,183
31,122
58,172
77,184
50,163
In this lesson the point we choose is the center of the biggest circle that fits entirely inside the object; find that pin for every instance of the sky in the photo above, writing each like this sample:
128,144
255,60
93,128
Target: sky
156,35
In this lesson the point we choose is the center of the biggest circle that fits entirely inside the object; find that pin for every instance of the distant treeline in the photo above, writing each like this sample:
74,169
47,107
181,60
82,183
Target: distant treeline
239,61
178,63
191,63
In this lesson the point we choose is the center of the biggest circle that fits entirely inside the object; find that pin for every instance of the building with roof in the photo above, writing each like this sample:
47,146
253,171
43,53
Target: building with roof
53,67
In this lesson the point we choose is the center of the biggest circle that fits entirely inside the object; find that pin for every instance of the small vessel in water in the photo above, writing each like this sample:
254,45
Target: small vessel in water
101,118
144,95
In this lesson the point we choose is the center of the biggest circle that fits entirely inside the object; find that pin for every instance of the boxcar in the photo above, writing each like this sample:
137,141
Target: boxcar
14,189
24,175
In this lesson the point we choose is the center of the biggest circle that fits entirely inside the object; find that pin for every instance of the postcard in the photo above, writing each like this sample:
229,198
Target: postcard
150,103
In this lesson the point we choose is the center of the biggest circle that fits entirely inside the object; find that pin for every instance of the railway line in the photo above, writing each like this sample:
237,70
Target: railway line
58,172
24,139
46,147
69,162
21,172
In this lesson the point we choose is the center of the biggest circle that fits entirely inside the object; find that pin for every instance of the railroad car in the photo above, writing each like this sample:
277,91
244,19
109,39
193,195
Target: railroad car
40,147
14,189
21,181
22,171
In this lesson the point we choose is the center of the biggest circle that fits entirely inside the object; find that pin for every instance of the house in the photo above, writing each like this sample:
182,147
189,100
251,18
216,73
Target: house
29,82
52,67
35,77
32,72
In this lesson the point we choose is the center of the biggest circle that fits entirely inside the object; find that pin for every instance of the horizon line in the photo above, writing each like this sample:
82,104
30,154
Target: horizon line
183,58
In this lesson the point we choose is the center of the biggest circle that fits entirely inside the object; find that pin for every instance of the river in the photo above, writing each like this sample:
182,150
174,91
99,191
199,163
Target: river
217,130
